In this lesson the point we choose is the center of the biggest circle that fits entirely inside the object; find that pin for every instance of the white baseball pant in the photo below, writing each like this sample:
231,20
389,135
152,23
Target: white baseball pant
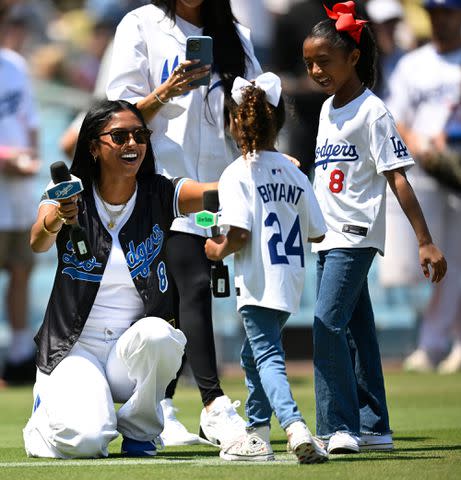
74,414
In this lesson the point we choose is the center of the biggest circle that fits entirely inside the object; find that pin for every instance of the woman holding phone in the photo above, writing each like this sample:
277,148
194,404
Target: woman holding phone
190,139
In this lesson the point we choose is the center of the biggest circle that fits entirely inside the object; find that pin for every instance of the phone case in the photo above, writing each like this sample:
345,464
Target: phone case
200,48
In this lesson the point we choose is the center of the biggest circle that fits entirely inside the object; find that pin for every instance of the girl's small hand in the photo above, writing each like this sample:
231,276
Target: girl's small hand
68,210
429,254
214,247
179,81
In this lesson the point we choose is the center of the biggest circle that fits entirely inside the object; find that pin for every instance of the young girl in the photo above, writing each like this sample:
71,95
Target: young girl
271,210
358,150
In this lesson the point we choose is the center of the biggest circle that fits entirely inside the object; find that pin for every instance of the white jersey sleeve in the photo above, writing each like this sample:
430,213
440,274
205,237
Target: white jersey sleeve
398,101
387,149
234,201
129,68
130,75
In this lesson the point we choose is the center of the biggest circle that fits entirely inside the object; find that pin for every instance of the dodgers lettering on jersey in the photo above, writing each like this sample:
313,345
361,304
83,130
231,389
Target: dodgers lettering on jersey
280,192
331,152
80,270
140,257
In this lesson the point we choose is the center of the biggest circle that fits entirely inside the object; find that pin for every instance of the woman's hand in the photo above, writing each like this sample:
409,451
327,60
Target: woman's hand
178,83
67,210
293,160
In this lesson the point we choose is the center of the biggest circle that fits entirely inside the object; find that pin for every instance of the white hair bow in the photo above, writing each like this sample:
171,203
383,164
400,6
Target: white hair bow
269,82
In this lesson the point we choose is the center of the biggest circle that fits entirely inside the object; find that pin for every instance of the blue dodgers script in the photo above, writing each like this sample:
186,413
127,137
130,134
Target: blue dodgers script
330,153
80,270
139,258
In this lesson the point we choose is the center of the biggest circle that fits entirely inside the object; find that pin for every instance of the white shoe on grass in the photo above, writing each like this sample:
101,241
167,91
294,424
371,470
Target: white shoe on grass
343,442
222,424
304,445
452,363
370,442
174,432
419,361
253,446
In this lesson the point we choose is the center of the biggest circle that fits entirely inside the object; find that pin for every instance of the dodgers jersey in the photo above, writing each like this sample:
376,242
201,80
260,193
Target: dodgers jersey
272,199
355,145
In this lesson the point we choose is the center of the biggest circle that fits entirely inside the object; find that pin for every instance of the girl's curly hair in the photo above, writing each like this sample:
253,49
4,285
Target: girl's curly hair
258,121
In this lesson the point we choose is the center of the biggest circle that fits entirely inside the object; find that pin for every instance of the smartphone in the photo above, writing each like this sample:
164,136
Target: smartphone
200,48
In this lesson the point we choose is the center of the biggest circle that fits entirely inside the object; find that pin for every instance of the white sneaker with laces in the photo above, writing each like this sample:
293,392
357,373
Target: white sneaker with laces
343,442
253,446
304,445
418,361
222,424
376,442
174,432
452,363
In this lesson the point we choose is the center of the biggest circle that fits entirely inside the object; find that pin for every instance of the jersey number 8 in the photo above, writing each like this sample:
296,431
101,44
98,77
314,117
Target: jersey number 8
336,180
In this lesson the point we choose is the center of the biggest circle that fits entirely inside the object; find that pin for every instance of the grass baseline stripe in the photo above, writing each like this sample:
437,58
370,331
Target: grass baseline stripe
200,462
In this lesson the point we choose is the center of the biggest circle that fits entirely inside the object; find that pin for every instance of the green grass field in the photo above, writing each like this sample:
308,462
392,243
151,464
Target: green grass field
425,415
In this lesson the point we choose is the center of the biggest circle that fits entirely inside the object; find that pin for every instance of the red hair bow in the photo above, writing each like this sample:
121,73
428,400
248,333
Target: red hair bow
344,14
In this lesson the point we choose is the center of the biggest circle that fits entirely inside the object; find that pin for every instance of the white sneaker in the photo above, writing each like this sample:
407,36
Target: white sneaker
452,363
304,445
174,432
253,446
418,361
376,442
222,424
343,442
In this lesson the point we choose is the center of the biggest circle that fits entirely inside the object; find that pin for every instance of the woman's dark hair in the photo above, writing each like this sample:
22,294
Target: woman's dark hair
229,56
84,166
367,64
259,122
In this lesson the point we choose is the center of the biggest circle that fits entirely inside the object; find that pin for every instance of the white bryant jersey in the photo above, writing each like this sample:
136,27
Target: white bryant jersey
274,200
355,145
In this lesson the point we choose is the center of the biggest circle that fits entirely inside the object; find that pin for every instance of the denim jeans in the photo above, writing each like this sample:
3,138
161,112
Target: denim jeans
263,359
349,383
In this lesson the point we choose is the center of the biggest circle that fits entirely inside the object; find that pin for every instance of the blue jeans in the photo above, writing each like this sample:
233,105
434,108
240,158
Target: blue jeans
349,383
263,359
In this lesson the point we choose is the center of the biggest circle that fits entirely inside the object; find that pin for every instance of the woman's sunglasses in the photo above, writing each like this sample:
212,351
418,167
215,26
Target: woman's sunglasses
120,136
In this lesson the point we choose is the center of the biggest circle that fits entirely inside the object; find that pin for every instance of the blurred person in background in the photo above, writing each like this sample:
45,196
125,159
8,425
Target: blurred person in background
256,16
108,13
424,89
190,138
18,166
386,17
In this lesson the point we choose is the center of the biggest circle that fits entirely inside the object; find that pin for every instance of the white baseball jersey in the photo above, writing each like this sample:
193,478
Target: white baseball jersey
18,117
274,200
355,145
189,138
425,86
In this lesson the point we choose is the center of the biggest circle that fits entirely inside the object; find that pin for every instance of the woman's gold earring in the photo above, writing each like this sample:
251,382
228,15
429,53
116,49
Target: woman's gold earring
95,158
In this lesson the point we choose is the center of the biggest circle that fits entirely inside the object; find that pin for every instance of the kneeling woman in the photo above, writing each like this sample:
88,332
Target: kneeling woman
105,336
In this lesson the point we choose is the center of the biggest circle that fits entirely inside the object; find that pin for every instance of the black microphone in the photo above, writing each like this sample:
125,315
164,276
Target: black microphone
219,271
67,187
